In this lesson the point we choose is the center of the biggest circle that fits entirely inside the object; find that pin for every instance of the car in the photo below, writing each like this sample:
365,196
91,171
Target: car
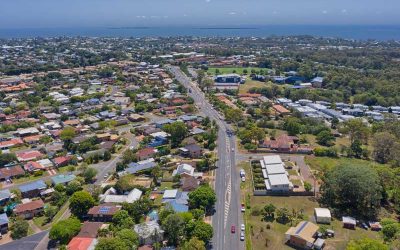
242,227
233,229
242,208
242,236
105,176
233,149
364,226
243,179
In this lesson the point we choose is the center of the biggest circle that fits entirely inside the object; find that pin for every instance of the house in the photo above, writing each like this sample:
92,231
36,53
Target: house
62,179
3,223
5,196
62,161
322,215
135,167
282,143
30,209
349,222
303,235
33,166
8,173
149,233
10,143
30,155
275,175
192,150
90,229
189,183
82,243
176,200
112,197
146,153
280,109
184,170
32,189
103,213
46,163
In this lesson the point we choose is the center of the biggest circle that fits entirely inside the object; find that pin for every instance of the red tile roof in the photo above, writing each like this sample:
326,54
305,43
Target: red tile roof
30,206
80,243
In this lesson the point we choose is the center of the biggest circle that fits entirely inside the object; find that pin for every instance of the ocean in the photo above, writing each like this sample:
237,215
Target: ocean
381,33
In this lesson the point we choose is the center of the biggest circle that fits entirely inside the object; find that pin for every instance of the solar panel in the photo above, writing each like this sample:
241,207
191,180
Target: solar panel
104,210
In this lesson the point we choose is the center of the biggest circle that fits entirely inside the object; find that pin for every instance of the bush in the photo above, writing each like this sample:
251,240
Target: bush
256,211
38,173
330,152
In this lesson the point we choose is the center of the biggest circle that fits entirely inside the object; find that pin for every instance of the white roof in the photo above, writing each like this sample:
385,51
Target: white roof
170,194
185,168
275,169
45,162
278,179
133,196
272,159
322,212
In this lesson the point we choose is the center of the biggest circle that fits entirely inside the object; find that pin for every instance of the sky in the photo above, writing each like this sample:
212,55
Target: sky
133,13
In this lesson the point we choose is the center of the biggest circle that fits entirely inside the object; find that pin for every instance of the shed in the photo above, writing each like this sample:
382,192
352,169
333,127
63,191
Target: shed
322,215
349,222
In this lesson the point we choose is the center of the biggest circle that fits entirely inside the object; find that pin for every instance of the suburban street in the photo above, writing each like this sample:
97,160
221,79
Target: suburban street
227,181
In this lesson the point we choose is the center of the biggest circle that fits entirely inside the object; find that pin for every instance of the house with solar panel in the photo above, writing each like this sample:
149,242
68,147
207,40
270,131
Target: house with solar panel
103,213
304,236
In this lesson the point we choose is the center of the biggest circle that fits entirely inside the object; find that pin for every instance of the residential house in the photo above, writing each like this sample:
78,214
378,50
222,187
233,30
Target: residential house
103,213
62,179
176,200
30,209
30,155
10,143
8,173
280,109
3,223
184,170
32,189
149,233
303,235
5,196
112,197
192,150
62,161
275,175
34,166
135,167
82,243
189,183
90,229
146,153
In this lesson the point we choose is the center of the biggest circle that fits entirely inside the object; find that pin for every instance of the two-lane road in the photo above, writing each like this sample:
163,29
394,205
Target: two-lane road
227,181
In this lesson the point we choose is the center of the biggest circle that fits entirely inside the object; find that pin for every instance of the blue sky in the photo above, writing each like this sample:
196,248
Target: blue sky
115,13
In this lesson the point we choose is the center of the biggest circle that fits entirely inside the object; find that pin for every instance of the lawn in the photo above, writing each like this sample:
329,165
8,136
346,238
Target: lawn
244,88
29,178
39,220
229,70
261,234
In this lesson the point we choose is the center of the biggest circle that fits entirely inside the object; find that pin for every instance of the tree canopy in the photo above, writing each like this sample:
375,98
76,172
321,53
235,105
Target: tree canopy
64,230
203,197
80,203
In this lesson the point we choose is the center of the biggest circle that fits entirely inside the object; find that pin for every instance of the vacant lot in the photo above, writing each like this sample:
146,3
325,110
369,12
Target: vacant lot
244,88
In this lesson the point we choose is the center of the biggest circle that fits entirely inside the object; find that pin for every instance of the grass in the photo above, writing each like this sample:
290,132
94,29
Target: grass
39,220
258,236
29,178
244,88
292,171
229,70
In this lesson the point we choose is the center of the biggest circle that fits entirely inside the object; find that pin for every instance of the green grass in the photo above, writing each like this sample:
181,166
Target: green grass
292,172
244,88
29,178
229,70
39,221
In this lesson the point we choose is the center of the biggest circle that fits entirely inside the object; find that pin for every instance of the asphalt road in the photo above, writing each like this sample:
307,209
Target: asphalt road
227,181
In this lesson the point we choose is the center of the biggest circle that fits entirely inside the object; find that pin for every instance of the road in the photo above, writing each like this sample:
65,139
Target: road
227,181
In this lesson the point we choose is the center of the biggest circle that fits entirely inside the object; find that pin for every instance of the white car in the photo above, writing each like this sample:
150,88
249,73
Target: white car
242,236
242,227
243,179
233,149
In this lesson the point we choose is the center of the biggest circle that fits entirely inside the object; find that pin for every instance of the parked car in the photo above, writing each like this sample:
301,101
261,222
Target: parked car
242,227
242,236
243,179
233,229
242,208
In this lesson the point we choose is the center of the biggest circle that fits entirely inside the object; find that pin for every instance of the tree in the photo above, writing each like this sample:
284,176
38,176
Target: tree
45,139
137,209
366,244
203,197
390,230
307,186
357,130
178,132
352,189
283,215
269,210
50,212
203,231
193,244
233,115
7,158
122,220
111,244
73,187
67,134
198,214
325,138
386,147
107,155
173,227
129,237
292,126
64,230
19,229
80,203
250,146
89,174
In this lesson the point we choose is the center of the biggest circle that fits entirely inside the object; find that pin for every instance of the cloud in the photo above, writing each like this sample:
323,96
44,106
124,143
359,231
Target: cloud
344,11
324,12
207,1
142,17
232,13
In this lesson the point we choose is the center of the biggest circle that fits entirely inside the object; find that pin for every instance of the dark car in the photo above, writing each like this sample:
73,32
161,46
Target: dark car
233,229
